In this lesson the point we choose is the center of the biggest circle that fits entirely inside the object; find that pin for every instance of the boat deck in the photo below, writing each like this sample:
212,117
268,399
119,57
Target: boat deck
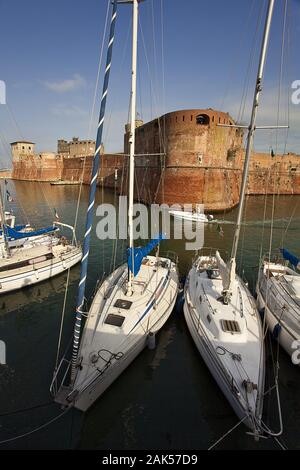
118,322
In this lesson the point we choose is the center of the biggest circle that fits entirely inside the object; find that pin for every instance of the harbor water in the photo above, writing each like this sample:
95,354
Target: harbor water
167,398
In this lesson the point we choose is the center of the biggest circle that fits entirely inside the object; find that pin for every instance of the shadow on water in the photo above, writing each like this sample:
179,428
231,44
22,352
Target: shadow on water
167,398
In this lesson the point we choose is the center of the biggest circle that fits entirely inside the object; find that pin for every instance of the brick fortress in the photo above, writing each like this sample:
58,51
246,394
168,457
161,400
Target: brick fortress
182,157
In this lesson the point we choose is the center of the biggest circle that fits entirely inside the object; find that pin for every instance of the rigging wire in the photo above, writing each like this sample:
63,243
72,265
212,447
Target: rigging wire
234,60
81,185
39,428
226,434
250,65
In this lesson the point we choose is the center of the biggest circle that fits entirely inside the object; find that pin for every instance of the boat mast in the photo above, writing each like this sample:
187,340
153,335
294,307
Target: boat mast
132,138
93,185
251,129
2,215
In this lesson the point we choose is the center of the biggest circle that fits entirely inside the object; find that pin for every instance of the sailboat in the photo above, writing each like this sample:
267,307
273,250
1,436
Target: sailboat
39,260
24,236
219,310
132,304
19,236
278,295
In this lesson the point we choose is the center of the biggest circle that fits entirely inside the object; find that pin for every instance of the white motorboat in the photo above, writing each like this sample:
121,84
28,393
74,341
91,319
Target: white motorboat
195,216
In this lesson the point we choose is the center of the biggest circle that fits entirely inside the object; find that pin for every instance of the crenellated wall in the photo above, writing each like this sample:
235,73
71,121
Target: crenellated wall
182,157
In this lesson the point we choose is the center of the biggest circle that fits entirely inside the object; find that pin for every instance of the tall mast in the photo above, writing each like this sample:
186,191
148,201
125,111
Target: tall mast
251,130
132,135
2,214
93,185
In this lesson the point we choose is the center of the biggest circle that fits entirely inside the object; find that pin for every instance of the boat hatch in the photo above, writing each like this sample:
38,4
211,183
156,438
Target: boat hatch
212,273
121,303
115,320
230,326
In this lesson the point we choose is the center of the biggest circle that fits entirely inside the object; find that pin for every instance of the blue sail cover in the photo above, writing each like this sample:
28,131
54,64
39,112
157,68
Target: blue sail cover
17,228
140,253
17,235
291,258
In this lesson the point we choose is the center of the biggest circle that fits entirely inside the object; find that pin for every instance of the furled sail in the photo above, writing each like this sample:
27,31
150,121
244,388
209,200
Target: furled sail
291,258
18,228
135,255
227,271
17,235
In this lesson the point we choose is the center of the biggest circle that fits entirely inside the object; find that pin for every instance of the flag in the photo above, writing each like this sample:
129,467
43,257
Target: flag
220,230
56,214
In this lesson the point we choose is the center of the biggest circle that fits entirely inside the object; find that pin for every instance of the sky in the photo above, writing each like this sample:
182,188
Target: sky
191,54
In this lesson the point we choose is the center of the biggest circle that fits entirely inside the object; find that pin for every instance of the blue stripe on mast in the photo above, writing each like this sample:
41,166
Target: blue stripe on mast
93,184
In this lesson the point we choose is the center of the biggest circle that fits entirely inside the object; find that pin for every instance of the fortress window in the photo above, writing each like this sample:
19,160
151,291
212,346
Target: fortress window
213,119
202,119
219,120
176,119
191,117
183,118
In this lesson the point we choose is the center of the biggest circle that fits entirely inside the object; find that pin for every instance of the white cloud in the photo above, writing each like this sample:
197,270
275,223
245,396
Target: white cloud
70,84
69,111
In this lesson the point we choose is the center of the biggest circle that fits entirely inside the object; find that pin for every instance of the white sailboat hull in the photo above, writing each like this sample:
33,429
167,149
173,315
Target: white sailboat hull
280,308
223,383
285,337
151,307
23,277
99,386
233,358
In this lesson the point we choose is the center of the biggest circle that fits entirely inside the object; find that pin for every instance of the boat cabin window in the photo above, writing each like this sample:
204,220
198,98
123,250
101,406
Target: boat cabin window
115,320
212,273
27,262
121,303
230,326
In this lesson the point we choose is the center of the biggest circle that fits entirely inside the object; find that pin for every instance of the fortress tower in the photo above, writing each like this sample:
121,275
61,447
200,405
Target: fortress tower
201,161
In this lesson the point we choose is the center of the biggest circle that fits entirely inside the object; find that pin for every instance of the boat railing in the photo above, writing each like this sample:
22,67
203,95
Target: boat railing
61,224
210,252
60,375
172,255
276,258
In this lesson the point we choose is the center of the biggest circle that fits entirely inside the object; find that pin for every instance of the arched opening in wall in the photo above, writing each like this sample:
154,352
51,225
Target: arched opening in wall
202,119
